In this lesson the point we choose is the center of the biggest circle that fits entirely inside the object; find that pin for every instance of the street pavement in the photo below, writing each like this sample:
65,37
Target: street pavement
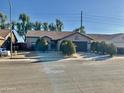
20,77
62,76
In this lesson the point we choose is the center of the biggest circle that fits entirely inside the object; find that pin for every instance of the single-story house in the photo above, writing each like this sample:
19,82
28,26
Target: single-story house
116,39
82,41
5,38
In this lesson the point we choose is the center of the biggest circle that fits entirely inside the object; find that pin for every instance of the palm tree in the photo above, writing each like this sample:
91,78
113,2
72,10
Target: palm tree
52,27
80,29
14,25
3,19
45,26
59,25
25,20
29,26
19,28
37,25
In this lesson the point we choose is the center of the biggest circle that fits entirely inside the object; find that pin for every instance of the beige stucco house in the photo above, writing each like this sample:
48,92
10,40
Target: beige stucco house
82,41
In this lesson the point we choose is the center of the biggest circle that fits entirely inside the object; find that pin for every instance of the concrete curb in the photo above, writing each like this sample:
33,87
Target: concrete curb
22,60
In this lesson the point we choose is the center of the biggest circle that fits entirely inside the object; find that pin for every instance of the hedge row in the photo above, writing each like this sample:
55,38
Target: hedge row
103,48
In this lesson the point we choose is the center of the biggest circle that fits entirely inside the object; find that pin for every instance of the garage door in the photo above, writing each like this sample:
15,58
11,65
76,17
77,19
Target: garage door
81,46
120,50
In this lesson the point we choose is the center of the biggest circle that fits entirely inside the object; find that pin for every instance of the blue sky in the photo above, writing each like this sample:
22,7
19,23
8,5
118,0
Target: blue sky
99,16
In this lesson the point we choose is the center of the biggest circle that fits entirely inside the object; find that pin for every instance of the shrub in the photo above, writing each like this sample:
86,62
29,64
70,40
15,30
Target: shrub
93,46
67,48
103,48
41,44
111,50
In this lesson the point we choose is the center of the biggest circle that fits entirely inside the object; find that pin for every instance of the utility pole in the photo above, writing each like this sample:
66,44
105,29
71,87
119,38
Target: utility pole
81,27
10,10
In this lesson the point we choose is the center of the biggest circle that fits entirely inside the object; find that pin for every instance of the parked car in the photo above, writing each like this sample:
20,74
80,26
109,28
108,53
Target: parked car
3,52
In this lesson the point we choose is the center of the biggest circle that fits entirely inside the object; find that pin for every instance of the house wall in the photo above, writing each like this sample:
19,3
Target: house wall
1,42
13,37
76,37
32,41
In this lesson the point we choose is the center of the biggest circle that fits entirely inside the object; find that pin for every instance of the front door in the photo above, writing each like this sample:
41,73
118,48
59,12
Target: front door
53,45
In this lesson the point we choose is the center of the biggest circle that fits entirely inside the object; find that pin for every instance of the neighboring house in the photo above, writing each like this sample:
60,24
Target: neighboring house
20,42
5,39
82,41
116,39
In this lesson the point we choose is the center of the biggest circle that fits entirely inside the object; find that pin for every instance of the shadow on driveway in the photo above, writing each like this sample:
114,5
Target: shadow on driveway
45,56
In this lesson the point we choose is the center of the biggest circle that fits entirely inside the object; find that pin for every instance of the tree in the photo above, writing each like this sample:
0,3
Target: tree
80,29
3,19
14,24
93,46
103,47
41,44
37,25
67,48
52,27
24,20
59,25
111,49
45,26
29,26
19,28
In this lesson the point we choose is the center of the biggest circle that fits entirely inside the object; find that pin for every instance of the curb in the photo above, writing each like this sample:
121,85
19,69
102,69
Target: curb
22,60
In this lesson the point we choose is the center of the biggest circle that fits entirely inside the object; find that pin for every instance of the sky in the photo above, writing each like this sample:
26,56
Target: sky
99,16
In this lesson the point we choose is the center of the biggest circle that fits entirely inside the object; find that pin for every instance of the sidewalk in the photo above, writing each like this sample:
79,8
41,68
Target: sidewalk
18,58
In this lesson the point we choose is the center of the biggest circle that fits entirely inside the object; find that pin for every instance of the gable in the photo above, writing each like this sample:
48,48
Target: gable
77,37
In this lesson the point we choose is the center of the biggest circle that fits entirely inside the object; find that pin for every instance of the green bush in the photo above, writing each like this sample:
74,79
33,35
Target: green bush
67,48
93,46
103,48
111,50
41,45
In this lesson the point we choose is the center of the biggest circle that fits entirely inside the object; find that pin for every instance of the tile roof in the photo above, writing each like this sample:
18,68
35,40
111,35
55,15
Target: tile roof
50,34
53,35
60,35
103,37
4,33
